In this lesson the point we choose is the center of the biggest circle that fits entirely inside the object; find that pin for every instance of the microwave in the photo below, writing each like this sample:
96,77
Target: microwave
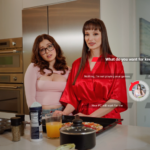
11,55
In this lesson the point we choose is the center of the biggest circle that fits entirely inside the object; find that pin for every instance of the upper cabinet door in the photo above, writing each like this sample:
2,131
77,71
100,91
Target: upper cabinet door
34,21
66,22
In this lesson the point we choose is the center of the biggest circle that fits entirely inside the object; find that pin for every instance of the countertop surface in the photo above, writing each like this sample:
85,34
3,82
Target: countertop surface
120,137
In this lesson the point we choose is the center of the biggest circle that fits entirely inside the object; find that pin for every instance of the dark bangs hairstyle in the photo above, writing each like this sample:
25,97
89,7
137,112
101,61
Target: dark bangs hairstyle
94,24
60,62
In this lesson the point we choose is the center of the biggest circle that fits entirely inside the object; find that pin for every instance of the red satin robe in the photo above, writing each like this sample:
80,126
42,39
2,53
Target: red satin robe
89,94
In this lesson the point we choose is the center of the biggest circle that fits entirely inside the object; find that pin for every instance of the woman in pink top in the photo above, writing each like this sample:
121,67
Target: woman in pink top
46,76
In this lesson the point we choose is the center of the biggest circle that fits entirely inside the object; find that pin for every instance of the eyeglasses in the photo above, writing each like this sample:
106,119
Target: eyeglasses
49,48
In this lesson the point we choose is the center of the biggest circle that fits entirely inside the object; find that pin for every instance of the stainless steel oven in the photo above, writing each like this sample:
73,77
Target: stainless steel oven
11,99
11,75
11,55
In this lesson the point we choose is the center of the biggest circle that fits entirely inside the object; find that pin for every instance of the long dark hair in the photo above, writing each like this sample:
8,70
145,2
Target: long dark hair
94,24
140,88
60,62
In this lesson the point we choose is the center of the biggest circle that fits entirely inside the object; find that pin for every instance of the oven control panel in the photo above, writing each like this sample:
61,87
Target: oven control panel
11,78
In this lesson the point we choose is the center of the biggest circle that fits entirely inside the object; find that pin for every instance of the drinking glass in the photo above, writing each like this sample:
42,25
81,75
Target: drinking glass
53,124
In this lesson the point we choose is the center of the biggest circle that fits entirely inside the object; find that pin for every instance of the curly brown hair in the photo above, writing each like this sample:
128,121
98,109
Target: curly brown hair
60,62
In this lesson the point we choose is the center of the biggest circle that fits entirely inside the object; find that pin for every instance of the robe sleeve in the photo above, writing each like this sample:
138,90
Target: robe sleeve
118,89
68,96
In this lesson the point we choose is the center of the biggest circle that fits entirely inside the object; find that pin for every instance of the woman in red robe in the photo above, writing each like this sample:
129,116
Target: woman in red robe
95,87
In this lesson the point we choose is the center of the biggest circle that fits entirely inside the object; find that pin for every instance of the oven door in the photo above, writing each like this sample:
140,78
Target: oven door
11,98
11,60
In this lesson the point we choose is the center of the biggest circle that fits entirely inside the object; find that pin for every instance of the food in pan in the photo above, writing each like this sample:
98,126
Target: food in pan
92,125
67,124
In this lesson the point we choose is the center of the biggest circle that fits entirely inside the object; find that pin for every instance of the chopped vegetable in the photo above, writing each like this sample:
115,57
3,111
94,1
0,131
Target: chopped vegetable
70,146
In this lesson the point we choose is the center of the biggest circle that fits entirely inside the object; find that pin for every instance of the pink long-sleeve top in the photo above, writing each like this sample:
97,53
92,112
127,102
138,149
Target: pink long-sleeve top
45,92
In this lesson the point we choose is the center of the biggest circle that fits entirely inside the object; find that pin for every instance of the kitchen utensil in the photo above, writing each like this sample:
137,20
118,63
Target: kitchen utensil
5,125
107,123
83,137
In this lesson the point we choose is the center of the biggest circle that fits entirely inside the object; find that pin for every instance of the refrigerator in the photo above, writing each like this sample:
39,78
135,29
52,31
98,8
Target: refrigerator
64,22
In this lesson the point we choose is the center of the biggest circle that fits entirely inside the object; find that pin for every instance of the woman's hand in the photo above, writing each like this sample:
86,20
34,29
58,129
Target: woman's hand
58,112
68,110
80,114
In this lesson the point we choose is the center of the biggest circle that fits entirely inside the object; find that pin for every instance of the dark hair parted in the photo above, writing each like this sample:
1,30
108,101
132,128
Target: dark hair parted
94,24
60,62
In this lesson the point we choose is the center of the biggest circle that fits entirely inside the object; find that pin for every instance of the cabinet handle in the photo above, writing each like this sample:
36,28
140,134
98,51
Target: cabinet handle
11,87
6,52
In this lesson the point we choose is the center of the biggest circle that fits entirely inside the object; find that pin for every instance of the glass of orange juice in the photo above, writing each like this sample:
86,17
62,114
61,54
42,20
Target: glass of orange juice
53,124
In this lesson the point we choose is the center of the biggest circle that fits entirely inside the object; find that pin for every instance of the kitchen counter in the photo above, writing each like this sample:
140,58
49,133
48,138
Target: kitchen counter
120,137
